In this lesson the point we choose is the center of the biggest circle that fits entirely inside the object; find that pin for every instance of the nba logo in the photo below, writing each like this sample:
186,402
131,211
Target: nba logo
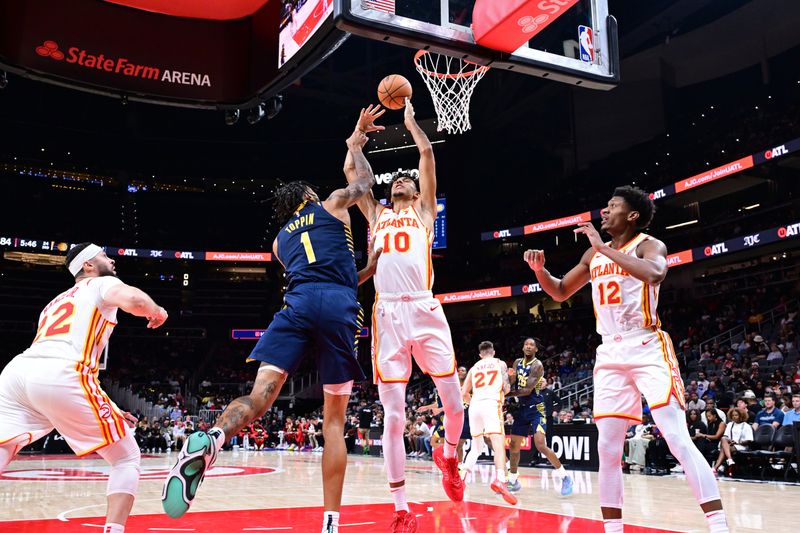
586,40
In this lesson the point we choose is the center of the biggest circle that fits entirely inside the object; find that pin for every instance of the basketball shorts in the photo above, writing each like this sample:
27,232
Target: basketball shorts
406,325
322,320
40,394
465,429
486,418
639,362
530,419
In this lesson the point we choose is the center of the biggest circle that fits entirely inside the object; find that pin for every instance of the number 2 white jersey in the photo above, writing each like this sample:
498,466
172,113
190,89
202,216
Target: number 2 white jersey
76,324
487,380
621,302
405,265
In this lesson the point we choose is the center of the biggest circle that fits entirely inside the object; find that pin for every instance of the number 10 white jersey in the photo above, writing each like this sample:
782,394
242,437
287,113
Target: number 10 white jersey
405,265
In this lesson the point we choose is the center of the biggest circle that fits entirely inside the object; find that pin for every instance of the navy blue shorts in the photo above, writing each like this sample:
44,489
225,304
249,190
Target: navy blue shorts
322,320
530,419
465,432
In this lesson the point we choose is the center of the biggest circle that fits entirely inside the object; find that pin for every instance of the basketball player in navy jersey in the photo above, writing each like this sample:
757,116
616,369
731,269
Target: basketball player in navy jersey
321,316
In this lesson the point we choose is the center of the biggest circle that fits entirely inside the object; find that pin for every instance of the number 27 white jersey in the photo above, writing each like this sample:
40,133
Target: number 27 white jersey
76,324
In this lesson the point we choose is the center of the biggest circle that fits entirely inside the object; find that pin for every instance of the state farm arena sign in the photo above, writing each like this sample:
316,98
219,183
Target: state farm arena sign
112,49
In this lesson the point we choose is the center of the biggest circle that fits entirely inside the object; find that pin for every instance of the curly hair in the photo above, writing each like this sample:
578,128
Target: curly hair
639,201
288,198
397,176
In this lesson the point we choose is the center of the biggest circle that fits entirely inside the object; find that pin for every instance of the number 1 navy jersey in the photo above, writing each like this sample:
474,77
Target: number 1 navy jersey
316,247
523,374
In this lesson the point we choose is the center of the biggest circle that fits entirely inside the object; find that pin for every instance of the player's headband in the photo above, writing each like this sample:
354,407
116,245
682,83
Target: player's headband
87,254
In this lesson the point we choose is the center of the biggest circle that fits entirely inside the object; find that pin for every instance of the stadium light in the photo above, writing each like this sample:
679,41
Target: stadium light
688,223
256,114
232,116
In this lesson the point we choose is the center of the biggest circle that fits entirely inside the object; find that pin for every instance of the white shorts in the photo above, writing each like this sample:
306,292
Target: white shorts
410,324
37,395
639,362
486,418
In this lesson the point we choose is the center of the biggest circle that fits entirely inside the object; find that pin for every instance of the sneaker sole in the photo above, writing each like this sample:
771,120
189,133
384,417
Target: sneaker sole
507,496
184,479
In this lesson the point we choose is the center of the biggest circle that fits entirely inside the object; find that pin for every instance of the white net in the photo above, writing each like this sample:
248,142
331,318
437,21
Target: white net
451,82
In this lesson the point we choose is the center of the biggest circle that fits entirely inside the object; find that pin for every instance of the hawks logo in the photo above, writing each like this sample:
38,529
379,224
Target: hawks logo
100,473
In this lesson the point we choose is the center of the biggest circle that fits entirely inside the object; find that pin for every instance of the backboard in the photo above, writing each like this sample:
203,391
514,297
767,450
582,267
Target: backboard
579,47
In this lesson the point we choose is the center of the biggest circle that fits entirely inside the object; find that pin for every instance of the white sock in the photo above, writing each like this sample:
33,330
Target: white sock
716,522
117,528
561,472
218,435
512,477
330,522
730,462
612,525
399,495
501,476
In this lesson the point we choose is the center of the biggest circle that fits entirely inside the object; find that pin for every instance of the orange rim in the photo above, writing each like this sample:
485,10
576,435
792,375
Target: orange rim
468,74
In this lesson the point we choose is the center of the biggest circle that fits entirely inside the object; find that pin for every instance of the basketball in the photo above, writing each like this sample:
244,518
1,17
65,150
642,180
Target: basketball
393,91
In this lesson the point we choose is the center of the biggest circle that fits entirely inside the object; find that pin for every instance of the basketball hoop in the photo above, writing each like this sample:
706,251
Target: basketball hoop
451,82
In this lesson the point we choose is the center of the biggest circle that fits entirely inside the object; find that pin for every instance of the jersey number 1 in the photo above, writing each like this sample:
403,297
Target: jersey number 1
305,238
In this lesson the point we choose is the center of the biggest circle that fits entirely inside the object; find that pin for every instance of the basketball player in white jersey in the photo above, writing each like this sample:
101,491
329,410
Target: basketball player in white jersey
488,382
407,320
53,384
636,357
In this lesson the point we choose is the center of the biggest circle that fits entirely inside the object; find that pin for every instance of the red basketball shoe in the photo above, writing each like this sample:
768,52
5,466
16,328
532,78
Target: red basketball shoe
502,490
404,522
451,480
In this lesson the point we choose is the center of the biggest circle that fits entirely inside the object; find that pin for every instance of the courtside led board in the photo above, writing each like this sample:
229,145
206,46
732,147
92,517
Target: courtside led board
573,42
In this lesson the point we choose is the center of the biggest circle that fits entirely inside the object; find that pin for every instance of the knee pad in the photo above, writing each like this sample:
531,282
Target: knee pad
125,460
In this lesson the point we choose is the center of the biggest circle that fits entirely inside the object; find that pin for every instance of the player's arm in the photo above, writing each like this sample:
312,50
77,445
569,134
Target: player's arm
427,163
367,204
537,371
648,265
372,262
512,372
506,381
466,389
341,200
136,302
560,289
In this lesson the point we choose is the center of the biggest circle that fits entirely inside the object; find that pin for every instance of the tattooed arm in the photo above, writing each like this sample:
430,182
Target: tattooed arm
537,371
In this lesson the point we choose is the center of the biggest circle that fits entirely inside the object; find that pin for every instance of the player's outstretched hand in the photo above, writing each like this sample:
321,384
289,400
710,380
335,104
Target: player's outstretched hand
535,260
357,140
588,229
408,114
374,255
129,419
158,319
367,118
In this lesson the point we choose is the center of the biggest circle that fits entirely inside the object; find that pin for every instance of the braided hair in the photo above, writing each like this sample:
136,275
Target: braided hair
288,198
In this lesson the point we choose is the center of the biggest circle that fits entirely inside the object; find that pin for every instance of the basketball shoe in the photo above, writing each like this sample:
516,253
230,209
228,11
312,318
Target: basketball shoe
501,489
451,479
198,453
566,486
514,487
404,522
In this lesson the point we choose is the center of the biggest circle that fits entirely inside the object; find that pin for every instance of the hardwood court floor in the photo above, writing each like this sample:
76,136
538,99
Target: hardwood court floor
281,491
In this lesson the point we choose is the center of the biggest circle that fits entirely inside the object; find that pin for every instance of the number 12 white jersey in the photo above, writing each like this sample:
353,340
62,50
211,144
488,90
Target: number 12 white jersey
76,324
621,302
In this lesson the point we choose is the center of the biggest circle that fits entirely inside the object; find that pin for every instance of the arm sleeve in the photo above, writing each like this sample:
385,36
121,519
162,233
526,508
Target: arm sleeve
104,283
